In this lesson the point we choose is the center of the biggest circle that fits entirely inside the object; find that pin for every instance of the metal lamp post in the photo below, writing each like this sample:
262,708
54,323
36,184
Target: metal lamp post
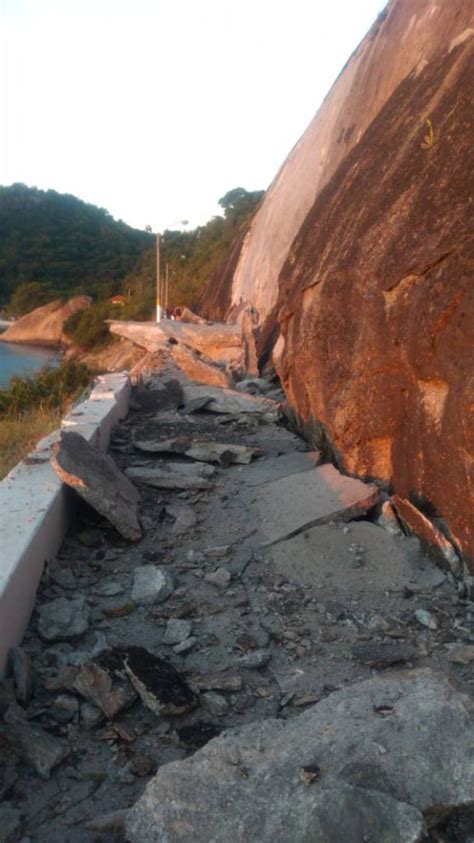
162,290
159,311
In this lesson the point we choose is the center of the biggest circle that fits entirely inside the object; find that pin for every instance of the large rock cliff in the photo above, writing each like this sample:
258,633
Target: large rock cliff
358,261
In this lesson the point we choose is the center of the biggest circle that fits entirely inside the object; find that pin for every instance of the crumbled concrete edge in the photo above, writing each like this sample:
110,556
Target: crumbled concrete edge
35,507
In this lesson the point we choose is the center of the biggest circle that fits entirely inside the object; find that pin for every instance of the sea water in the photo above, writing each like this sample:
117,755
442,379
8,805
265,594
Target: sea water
23,360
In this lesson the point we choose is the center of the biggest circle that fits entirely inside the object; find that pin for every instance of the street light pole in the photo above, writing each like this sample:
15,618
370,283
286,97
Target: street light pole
167,285
158,281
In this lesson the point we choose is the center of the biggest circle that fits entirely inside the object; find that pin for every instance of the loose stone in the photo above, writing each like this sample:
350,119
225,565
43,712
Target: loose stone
426,619
22,674
177,631
38,748
220,578
97,479
186,645
151,585
383,654
215,703
258,658
90,715
62,618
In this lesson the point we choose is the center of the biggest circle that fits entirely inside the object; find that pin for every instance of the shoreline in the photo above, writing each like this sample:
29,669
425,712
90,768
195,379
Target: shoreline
33,343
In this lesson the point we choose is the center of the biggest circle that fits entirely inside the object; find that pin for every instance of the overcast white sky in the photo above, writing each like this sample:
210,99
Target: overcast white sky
154,109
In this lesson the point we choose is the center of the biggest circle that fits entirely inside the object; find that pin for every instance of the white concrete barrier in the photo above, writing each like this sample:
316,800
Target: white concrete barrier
35,507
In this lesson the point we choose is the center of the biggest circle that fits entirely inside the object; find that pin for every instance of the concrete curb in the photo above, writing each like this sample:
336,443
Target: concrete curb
35,507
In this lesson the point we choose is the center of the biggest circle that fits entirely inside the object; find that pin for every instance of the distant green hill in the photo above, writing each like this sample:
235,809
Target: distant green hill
63,244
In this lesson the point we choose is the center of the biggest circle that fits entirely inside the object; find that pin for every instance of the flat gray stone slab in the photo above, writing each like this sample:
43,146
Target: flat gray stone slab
200,450
173,476
228,400
363,559
274,468
292,504
97,479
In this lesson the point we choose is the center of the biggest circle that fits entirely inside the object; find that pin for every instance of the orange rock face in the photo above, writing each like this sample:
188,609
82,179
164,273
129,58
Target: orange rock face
359,263
406,35
376,298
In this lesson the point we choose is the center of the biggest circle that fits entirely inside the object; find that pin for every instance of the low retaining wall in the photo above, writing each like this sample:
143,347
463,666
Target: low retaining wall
35,507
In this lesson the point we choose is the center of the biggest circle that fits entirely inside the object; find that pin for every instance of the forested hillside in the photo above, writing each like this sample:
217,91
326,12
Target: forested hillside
54,245
62,244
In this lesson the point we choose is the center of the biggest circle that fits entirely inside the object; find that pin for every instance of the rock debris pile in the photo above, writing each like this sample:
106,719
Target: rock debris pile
253,649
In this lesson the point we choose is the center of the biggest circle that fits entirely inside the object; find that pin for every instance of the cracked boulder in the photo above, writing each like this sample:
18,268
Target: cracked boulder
96,478
351,768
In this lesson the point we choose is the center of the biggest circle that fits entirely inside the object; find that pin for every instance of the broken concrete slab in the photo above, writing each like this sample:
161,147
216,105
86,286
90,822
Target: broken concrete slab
185,476
199,369
200,450
229,400
162,689
294,503
221,344
97,479
371,771
101,684
324,554
214,340
276,467
175,445
436,544
224,454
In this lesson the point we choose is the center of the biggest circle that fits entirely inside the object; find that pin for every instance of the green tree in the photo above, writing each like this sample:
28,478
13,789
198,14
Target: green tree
27,296
239,203
62,243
